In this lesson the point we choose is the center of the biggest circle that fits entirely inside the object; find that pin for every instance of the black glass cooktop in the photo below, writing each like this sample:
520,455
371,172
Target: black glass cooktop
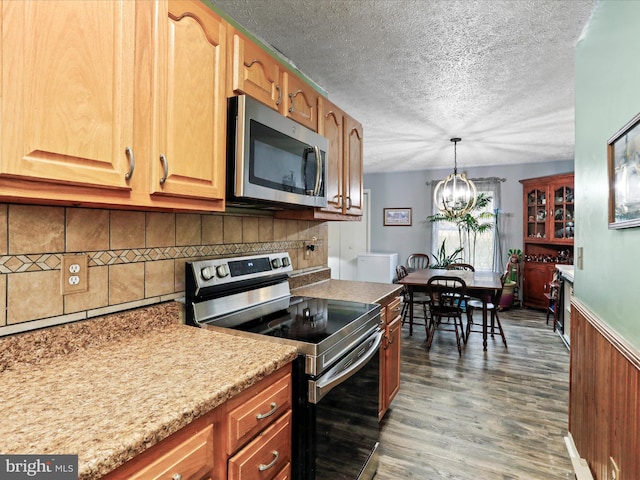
309,319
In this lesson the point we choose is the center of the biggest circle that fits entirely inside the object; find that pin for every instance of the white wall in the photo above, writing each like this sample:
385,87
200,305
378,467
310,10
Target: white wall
413,189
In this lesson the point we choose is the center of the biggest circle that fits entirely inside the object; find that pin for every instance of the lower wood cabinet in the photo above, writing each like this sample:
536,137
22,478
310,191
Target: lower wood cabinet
264,457
191,459
536,279
390,355
246,438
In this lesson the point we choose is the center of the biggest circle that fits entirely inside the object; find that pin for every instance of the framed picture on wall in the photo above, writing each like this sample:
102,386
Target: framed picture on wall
397,217
623,152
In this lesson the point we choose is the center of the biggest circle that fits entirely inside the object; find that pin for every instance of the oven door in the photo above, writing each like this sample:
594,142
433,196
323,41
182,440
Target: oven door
342,430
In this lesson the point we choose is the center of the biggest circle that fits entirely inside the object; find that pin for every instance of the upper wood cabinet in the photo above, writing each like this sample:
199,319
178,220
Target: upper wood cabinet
353,161
332,127
549,209
344,171
301,101
254,72
68,92
96,95
189,149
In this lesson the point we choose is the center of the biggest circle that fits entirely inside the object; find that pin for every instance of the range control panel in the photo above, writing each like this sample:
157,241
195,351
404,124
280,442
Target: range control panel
221,271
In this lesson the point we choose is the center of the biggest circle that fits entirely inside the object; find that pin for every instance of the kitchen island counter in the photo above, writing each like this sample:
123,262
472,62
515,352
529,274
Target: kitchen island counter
108,389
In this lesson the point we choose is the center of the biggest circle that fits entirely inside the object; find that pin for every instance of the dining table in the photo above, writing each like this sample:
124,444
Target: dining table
482,285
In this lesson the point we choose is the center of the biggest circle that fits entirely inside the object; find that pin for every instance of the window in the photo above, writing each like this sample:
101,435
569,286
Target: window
487,254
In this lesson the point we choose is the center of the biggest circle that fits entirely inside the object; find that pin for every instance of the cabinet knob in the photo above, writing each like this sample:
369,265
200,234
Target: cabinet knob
176,476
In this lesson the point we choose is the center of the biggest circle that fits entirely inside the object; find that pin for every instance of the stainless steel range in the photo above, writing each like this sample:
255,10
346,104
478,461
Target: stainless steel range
336,375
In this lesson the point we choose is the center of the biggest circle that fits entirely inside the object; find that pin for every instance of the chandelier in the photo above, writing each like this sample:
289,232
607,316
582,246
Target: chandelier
455,195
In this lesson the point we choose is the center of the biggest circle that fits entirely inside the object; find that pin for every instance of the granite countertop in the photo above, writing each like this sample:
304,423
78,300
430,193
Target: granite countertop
366,292
109,389
566,271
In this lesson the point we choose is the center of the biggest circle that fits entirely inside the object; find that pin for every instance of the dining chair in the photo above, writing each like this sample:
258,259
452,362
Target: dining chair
468,268
552,308
461,266
492,307
447,294
417,261
419,298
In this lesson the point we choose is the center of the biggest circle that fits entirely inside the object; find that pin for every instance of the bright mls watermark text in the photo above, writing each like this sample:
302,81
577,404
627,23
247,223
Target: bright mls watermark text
39,467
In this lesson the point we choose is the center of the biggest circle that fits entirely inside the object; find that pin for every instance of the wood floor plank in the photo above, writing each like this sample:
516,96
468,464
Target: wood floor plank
494,415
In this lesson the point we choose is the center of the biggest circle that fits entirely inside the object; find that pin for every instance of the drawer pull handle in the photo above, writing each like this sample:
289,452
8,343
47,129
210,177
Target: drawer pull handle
262,467
176,476
274,407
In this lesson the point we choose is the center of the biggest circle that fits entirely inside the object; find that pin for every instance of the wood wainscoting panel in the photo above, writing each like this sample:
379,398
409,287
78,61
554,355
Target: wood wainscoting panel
604,396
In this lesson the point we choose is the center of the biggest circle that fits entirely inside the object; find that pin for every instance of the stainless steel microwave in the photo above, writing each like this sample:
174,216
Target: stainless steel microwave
272,159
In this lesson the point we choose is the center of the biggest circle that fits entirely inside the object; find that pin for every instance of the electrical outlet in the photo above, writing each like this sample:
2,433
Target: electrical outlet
614,471
74,274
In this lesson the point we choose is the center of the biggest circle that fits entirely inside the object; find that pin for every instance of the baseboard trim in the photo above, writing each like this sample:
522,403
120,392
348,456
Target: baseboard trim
580,466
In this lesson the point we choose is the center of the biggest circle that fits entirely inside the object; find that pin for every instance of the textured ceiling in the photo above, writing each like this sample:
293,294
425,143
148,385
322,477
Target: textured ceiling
499,74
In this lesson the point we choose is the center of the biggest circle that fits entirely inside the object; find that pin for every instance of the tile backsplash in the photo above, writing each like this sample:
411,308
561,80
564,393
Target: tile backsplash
135,258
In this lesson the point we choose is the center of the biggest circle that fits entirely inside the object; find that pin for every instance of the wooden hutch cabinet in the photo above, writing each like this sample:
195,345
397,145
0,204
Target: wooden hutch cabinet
548,218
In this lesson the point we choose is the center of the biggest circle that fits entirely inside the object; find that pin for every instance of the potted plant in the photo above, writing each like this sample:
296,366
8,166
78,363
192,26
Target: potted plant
442,259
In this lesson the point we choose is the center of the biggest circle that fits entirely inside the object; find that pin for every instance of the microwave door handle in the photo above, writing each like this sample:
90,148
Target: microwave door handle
316,190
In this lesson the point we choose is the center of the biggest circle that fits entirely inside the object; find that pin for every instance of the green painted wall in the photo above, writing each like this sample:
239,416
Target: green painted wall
607,97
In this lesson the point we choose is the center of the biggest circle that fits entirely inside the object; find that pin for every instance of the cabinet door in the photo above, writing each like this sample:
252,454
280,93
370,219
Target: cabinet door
332,127
67,84
562,226
190,107
353,166
537,276
393,359
382,394
301,102
536,213
255,73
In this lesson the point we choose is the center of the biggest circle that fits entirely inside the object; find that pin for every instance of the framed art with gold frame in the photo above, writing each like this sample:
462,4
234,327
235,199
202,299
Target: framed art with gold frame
623,155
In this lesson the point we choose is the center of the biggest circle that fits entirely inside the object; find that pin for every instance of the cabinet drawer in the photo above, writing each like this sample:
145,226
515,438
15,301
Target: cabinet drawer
258,412
266,455
284,474
192,459
393,309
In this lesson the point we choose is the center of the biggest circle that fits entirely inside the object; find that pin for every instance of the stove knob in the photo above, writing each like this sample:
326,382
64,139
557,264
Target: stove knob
207,273
286,262
222,270
275,263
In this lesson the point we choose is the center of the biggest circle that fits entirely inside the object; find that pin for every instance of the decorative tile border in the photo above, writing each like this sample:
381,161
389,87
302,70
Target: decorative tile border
52,261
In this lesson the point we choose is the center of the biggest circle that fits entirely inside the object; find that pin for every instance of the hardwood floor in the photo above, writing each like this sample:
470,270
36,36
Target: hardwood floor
500,414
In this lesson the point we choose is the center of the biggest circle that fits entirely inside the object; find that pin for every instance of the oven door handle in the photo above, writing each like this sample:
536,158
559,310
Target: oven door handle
344,369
